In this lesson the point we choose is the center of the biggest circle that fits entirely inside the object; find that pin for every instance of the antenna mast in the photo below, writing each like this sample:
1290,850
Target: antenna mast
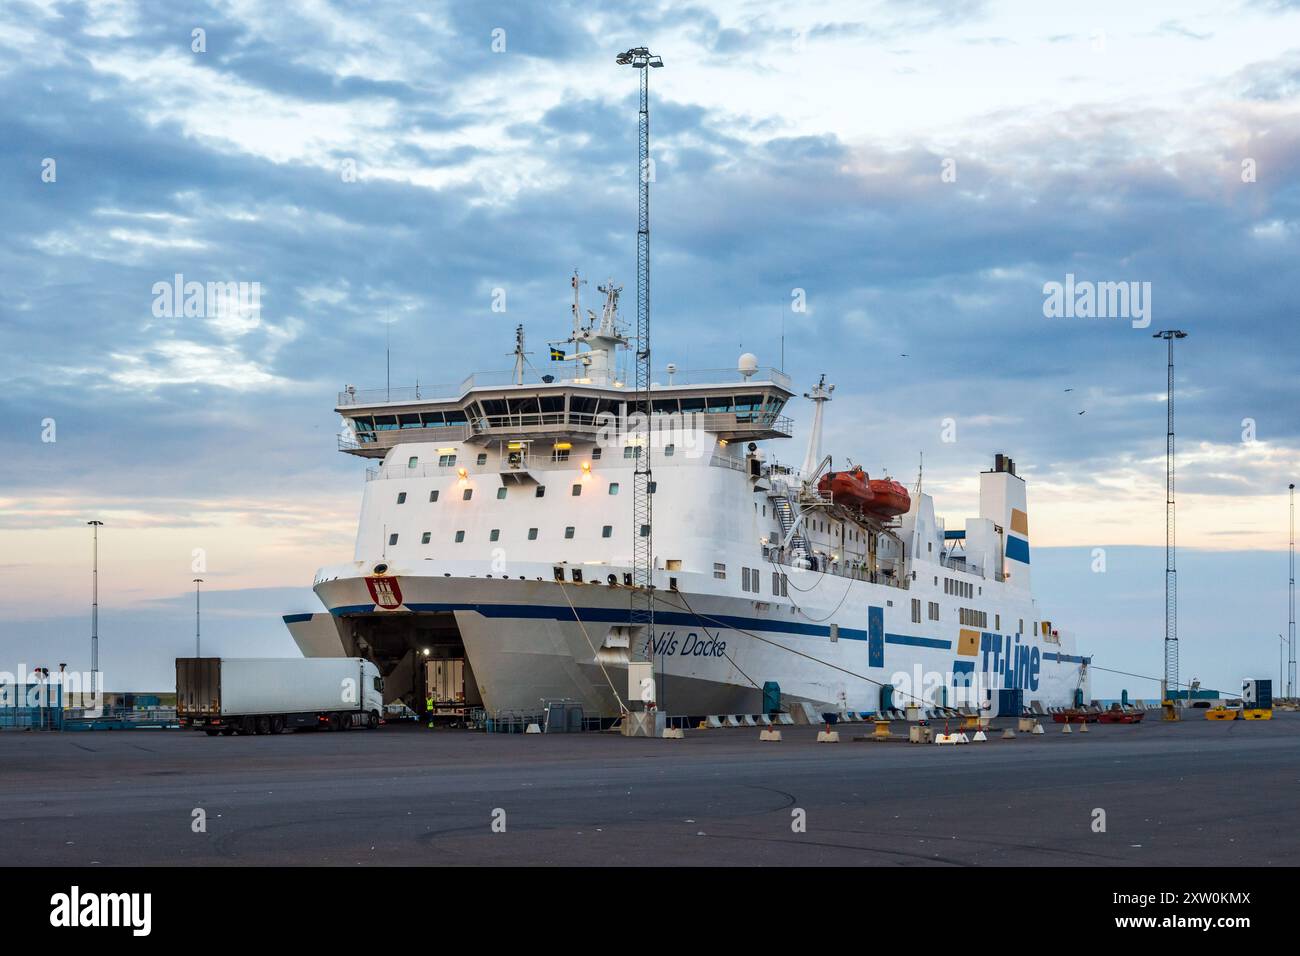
519,355
1171,574
642,603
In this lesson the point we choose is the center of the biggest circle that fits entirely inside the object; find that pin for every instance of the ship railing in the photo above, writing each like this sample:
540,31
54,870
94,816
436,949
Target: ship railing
726,461
960,565
723,376
384,472
787,558
451,391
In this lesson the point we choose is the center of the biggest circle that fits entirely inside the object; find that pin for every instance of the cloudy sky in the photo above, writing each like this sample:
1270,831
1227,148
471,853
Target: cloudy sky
919,169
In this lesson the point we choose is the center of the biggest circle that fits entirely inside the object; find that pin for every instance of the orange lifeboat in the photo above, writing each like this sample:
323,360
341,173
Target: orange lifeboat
851,489
888,498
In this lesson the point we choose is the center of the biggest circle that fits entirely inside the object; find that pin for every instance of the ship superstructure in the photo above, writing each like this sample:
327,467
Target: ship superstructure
496,526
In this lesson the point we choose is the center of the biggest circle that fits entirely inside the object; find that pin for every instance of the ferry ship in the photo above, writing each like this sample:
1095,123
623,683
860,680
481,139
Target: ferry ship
497,528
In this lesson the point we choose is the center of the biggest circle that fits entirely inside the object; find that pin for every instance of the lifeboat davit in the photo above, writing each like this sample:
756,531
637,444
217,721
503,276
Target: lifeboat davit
888,498
851,489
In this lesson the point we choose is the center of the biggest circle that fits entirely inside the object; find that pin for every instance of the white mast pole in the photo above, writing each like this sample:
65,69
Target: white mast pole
819,396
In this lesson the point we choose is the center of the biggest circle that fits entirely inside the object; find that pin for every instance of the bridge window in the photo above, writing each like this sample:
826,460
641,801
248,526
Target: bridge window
410,420
456,416
385,423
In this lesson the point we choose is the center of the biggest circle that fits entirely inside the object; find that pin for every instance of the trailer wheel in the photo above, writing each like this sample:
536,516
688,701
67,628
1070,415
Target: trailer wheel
336,722
277,725
248,727
372,720
264,725
212,733
227,731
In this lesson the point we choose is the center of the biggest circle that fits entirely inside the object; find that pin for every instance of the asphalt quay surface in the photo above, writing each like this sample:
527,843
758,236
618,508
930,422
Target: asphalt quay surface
1196,792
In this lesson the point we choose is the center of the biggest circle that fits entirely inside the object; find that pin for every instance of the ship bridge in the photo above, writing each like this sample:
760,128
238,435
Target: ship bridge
734,405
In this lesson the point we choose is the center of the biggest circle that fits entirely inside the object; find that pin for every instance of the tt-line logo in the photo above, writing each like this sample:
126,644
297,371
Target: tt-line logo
75,909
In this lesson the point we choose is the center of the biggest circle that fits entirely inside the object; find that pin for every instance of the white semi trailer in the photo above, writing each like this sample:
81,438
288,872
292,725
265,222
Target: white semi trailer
263,695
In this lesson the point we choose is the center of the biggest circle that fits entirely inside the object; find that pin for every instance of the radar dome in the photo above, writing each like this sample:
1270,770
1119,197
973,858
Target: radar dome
748,364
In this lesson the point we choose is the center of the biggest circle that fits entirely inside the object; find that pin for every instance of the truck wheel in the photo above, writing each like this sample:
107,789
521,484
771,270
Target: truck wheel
264,725
227,731
372,720
336,722
248,727
277,725
212,733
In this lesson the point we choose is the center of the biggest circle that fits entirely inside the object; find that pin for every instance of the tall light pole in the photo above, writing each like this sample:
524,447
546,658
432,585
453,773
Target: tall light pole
1281,650
1171,574
197,584
94,606
642,600
1290,631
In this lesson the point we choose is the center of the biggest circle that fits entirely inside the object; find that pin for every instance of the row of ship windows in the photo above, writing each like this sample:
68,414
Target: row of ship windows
557,454
495,534
553,405
467,494
969,617
960,588
750,580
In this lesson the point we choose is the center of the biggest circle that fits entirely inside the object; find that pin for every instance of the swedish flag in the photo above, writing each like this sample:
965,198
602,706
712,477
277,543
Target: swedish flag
557,355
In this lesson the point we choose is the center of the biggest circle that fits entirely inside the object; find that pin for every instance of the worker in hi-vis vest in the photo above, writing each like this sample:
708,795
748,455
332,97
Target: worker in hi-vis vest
428,708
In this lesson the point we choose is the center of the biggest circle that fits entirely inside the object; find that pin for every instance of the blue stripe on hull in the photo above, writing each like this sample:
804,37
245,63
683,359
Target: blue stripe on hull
677,618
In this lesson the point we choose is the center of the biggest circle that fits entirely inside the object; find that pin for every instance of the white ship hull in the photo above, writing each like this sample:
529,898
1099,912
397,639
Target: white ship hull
530,640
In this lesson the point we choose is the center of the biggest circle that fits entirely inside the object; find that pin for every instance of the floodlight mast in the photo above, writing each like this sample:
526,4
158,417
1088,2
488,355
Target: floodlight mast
1171,547
642,616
